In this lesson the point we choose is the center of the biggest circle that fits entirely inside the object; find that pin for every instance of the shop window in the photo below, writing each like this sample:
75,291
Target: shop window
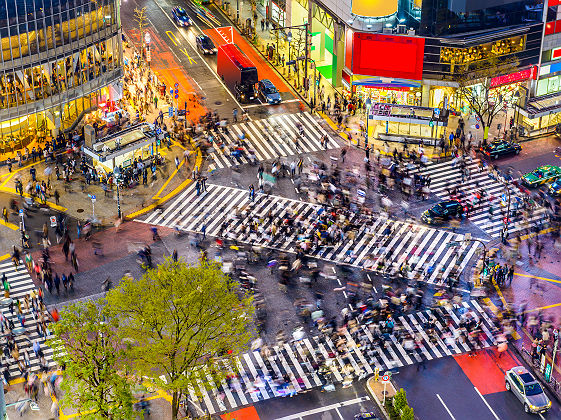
553,84
482,52
542,87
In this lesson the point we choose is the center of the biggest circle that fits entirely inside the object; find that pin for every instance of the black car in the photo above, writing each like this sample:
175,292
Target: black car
205,45
443,211
497,149
268,92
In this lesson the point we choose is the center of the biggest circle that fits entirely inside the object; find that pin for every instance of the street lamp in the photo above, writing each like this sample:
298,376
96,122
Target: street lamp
468,238
117,173
368,104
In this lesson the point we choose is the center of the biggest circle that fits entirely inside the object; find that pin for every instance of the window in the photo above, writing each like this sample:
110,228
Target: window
533,389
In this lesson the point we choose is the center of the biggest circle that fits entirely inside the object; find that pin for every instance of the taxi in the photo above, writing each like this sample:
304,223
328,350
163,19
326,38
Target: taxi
542,175
529,391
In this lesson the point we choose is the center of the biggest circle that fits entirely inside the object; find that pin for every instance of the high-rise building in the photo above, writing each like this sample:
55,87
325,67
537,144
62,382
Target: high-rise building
59,60
413,52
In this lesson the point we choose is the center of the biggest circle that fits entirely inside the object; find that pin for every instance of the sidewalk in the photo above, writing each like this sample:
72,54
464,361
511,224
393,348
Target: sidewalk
377,390
265,38
74,196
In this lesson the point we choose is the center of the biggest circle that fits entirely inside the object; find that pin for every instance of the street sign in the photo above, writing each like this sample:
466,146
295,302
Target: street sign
176,90
21,212
176,85
385,378
53,221
477,126
171,91
547,373
170,111
176,96
147,37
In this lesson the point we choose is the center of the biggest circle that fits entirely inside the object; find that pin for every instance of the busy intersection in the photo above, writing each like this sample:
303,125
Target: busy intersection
367,273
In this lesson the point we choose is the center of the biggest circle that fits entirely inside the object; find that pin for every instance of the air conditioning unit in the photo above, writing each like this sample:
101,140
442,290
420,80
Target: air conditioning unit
411,32
401,29
387,31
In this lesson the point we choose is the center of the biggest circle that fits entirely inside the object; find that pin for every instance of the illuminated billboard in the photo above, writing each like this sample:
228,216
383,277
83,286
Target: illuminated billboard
388,56
374,8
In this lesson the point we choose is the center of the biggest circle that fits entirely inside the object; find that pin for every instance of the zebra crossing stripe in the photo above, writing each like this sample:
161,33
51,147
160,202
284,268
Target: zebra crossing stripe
408,242
444,175
273,137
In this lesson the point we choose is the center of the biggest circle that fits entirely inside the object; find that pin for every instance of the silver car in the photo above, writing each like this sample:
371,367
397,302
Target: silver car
527,390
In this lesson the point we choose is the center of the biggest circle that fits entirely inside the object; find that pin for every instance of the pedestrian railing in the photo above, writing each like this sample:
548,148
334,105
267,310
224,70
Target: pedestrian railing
553,385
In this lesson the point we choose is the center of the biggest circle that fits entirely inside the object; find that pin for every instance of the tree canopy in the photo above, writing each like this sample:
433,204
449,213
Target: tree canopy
85,342
185,323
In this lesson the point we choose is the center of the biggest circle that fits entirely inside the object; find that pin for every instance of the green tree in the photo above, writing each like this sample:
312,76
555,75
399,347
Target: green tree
400,400
85,341
407,413
185,325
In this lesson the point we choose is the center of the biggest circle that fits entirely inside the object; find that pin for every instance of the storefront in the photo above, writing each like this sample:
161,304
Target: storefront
406,124
139,142
388,91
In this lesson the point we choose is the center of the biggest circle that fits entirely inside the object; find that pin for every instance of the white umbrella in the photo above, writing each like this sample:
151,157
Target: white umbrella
48,170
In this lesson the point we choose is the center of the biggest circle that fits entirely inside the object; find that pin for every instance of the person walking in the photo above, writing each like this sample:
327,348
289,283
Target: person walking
252,192
5,214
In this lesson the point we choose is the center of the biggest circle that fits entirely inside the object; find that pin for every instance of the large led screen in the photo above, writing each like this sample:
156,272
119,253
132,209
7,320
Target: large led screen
374,8
388,56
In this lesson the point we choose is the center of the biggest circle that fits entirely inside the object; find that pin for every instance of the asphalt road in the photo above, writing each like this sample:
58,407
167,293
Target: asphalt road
342,404
200,68
464,388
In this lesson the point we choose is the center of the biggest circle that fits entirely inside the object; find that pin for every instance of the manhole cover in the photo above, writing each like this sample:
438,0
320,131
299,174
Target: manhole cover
218,103
80,210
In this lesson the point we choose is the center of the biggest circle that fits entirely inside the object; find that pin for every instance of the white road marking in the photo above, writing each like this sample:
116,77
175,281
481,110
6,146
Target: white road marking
487,404
445,407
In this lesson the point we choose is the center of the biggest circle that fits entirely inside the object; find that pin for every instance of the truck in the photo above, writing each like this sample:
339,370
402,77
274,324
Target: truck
237,72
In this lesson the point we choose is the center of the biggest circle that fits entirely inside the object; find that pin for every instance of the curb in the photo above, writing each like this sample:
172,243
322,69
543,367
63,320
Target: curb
227,16
378,402
177,190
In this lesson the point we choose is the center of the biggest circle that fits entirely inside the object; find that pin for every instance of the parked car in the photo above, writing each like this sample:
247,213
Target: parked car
268,92
205,44
542,175
181,17
500,148
529,391
442,211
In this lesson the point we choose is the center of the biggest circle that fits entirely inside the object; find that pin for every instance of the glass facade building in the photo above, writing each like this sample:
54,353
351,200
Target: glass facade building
59,59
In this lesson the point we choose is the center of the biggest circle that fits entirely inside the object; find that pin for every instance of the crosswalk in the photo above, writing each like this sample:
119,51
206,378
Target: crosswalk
444,176
431,254
271,138
435,331
21,284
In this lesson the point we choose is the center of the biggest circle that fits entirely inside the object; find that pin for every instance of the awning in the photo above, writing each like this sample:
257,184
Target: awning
386,84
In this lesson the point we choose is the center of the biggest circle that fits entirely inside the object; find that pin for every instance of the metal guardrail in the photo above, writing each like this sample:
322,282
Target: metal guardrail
553,385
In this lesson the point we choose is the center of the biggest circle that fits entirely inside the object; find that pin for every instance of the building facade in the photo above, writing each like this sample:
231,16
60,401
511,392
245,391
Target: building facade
412,52
59,60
